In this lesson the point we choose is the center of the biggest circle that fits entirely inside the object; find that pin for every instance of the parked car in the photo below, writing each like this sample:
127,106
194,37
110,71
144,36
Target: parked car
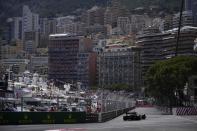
133,116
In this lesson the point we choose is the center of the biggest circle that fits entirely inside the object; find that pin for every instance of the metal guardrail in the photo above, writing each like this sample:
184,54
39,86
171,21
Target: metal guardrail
108,116
22,118
112,114
92,117
15,118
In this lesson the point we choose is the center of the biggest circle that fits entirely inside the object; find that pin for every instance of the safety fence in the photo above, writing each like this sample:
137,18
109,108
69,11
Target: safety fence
180,111
165,110
185,111
22,118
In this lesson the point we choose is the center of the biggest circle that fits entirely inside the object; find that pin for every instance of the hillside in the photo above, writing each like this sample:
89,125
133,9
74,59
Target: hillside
52,8
168,5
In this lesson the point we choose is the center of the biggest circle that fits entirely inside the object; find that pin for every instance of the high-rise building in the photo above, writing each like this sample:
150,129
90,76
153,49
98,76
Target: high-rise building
156,45
0,51
159,23
168,22
69,25
47,27
18,65
14,50
187,19
27,19
120,64
13,29
191,5
30,20
95,16
31,42
118,10
30,30
150,43
86,69
17,32
139,23
123,23
39,64
108,17
186,43
96,29
62,22
75,28
63,51
188,4
115,11
67,53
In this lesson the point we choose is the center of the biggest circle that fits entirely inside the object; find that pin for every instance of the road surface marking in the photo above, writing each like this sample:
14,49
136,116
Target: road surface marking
194,121
68,129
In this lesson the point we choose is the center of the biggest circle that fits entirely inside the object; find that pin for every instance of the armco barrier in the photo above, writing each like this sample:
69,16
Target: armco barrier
92,118
15,118
120,112
110,115
42,117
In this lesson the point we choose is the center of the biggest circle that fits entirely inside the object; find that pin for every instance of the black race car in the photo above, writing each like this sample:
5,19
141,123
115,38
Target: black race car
134,116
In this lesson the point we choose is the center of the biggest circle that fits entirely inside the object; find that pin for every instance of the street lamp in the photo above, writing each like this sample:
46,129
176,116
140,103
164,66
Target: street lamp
195,46
185,90
101,74
9,72
179,28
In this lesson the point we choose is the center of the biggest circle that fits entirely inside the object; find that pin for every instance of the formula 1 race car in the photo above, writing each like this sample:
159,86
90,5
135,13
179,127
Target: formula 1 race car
134,116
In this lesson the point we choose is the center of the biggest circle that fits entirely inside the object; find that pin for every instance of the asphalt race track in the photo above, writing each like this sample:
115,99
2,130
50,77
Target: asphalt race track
155,122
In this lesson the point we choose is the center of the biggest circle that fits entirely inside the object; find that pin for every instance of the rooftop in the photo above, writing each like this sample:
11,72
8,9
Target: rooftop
182,29
63,35
59,35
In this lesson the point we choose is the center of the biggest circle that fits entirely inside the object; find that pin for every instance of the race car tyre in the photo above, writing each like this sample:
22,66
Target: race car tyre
124,118
144,117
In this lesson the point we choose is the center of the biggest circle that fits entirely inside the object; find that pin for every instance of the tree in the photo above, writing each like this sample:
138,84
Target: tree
94,88
167,78
118,87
